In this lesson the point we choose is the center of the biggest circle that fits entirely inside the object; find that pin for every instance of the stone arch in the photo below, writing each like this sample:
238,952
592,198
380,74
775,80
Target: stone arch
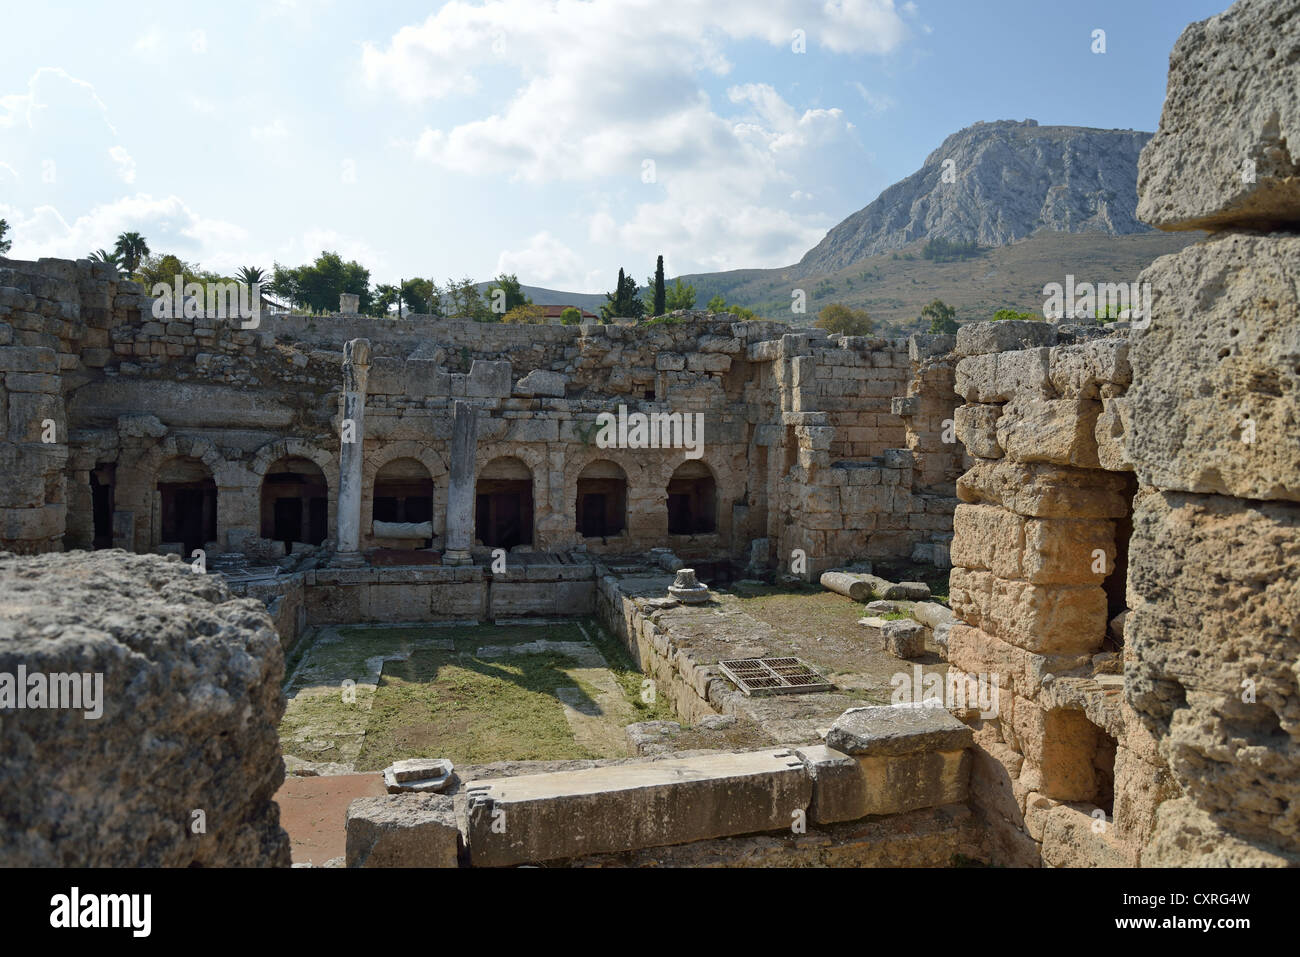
692,491
289,448
390,452
600,499
505,496
293,502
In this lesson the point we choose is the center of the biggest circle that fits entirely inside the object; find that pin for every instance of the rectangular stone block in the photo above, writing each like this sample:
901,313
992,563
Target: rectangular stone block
563,814
402,830
988,537
1216,397
887,730
1052,431
1046,491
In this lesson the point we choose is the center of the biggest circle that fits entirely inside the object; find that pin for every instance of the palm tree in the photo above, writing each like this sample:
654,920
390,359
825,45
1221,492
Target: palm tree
253,276
131,248
104,256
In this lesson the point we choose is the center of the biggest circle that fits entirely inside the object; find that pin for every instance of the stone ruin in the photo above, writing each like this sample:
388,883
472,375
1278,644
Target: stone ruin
1118,505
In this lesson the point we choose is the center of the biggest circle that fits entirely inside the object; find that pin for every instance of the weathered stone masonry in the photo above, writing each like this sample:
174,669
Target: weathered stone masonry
1194,753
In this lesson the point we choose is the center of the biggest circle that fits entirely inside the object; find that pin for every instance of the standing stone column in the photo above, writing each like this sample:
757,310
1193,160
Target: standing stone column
460,487
356,372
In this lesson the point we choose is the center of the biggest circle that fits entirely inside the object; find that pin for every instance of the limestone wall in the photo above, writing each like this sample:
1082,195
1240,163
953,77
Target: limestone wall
1214,575
1038,568
1133,507
800,437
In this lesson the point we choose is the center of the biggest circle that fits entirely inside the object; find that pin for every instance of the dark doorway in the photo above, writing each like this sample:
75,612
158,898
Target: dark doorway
403,492
692,500
187,504
503,511
601,507
101,493
295,503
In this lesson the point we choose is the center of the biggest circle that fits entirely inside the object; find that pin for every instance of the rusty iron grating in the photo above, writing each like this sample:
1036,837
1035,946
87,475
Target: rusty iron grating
761,676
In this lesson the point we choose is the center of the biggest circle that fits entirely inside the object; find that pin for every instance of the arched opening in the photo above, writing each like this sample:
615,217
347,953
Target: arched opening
402,501
601,507
187,504
295,503
692,500
503,512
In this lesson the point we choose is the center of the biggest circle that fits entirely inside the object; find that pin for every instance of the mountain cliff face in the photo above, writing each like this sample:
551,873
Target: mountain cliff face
1006,180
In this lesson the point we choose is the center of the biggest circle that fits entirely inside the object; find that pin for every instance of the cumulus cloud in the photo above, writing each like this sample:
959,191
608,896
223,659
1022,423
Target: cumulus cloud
168,223
125,164
543,260
580,116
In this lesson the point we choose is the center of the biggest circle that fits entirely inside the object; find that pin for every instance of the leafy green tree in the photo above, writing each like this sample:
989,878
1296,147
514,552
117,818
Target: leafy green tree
679,296
416,294
318,285
131,248
717,304
164,268
505,293
527,313
942,250
571,317
461,299
839,318
942,317
385,297
5,244
623,302
659,307
1003,314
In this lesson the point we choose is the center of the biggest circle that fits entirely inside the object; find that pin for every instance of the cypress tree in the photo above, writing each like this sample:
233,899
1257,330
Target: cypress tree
660,299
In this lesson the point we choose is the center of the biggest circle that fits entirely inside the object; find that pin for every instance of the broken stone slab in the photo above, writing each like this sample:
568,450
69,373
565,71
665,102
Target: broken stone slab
542,383
418,774
1225,151
716,722
881,607
563,814
838,784
1006,335
885,730
903,638
402,830
848,787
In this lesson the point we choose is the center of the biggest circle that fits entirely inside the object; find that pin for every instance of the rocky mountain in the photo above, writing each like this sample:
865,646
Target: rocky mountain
995,183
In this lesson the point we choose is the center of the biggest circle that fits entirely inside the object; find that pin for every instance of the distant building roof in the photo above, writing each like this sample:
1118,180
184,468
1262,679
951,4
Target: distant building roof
553,312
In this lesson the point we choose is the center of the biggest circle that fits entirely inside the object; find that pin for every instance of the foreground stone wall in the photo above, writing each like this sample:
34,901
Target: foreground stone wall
1038,570
181,766
1065,568
1215,556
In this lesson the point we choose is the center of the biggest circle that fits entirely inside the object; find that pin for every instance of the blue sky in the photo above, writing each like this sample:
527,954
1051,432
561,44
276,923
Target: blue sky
464,138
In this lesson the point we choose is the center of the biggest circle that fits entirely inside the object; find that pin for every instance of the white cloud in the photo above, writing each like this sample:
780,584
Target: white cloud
544,260
270,132
876,102
579,115
125,164
167,223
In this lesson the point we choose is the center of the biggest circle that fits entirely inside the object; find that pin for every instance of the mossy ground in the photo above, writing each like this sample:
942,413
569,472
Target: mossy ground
425,691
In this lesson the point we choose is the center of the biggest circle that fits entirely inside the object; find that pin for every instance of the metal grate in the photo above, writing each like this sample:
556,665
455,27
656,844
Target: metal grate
760,676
